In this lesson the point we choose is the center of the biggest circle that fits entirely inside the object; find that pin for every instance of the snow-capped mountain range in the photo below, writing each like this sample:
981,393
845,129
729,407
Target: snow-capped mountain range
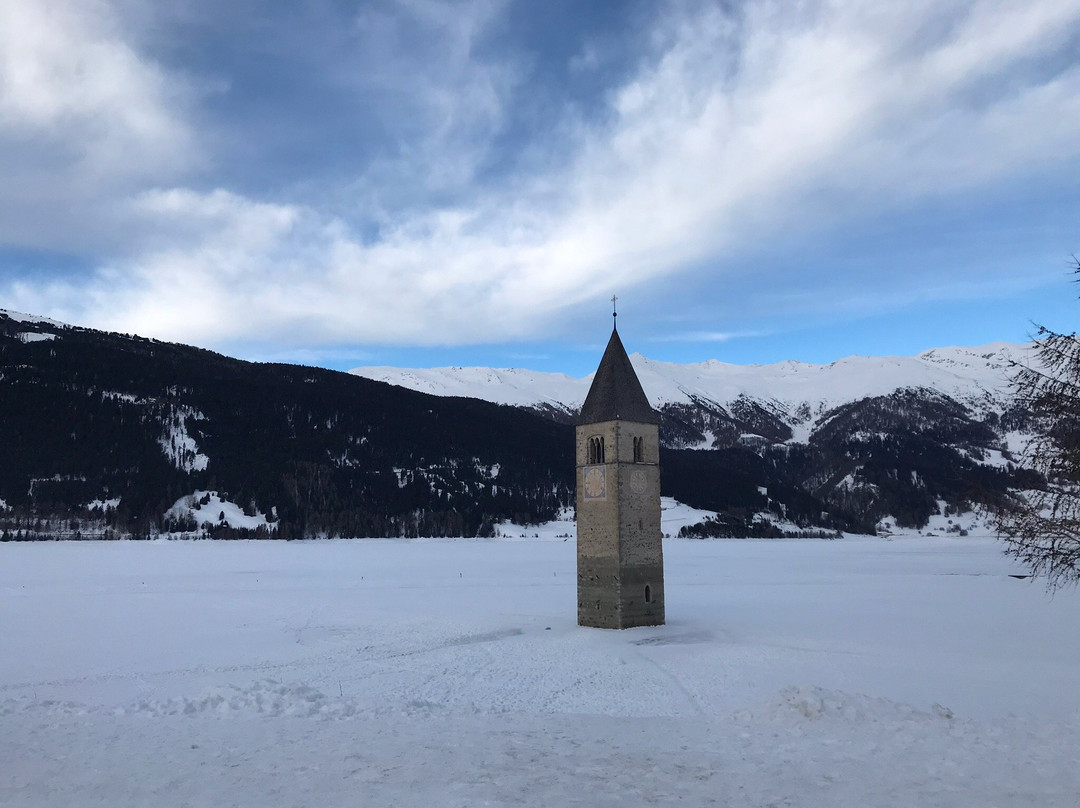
886,441
798,393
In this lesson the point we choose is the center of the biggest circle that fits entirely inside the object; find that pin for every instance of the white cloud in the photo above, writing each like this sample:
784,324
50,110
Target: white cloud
66,64
707,336
732,129
83,117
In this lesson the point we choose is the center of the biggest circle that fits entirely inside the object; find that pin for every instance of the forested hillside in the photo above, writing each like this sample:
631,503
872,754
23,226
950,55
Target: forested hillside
104,432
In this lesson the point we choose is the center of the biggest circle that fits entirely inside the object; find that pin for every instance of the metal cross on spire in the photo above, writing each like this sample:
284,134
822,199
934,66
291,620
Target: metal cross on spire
614,311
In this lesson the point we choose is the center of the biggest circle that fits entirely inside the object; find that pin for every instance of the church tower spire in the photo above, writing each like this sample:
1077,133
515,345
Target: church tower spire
619,549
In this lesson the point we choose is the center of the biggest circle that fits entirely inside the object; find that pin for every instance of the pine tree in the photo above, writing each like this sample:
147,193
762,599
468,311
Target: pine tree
1043,529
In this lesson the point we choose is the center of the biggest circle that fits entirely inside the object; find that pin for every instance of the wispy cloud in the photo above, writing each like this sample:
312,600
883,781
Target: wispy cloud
442,100
735,126
707,336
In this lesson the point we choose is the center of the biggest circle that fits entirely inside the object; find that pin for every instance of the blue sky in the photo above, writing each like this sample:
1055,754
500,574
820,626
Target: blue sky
427,183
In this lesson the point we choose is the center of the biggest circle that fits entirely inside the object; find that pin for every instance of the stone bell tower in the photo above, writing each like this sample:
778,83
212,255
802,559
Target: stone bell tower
620,557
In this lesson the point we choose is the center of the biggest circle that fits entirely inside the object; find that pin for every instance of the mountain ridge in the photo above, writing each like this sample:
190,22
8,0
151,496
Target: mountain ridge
797,392
114,435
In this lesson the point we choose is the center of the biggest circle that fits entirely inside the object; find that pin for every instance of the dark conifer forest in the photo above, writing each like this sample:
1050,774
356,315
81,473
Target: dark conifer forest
91,416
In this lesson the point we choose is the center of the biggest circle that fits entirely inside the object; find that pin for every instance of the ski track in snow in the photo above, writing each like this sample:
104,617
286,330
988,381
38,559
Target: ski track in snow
864,672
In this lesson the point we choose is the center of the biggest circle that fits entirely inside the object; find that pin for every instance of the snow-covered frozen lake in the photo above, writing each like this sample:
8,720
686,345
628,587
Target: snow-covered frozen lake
452,673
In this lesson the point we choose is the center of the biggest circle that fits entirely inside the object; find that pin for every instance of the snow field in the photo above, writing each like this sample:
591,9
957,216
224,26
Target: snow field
378,672
673,516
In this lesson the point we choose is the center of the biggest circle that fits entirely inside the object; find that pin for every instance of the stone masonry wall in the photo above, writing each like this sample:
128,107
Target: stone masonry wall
619,546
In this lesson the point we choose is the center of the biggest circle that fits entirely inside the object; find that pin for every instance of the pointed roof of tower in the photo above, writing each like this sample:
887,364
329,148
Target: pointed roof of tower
616,391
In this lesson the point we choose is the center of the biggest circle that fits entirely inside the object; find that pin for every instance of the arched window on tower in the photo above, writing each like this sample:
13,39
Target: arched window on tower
639,450
596,449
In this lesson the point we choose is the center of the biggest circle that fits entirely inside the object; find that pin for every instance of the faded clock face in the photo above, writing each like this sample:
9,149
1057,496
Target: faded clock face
637,481
595,482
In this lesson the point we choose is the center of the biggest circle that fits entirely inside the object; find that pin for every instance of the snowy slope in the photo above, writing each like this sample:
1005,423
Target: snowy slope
20,317
518,387
673,516
207,508
977,377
